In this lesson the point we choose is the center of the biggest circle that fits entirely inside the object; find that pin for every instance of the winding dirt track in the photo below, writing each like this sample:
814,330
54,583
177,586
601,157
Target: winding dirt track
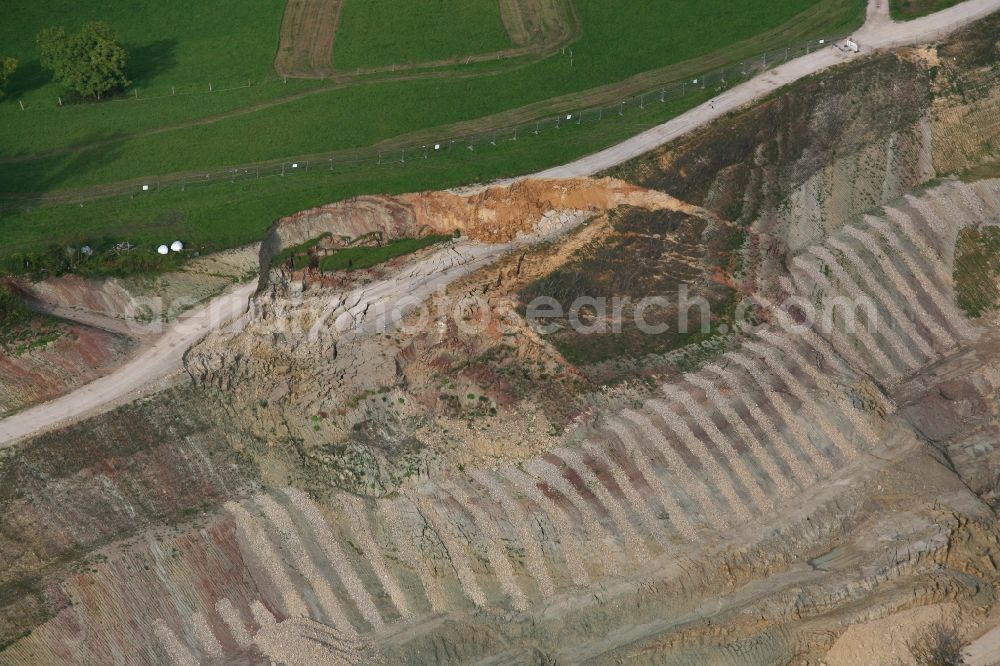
165,356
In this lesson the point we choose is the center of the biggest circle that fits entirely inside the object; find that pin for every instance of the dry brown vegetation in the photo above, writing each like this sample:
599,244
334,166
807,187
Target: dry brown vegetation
643,254
538,23
309,29
940,645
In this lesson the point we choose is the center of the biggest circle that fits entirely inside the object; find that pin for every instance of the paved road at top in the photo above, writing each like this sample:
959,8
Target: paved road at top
165,356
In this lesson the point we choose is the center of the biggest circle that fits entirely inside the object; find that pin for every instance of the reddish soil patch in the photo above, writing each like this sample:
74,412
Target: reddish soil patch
78,356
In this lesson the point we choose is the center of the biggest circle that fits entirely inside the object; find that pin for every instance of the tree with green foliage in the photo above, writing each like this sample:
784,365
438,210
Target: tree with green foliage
91,63
8,66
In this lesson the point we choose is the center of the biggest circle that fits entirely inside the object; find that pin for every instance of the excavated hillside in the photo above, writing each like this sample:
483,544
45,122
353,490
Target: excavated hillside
151,298
58,358
82,329
347,480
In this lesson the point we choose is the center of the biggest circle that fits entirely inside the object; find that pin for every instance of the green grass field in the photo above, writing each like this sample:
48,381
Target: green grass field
51,149
169,43
373,33
365,114
905,10
358,258
179,47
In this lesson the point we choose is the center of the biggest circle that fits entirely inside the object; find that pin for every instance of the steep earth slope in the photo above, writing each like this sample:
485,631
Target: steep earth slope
60,358
148,299
86,328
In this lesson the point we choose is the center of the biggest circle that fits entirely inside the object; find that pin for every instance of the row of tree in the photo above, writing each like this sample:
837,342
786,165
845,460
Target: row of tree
90,63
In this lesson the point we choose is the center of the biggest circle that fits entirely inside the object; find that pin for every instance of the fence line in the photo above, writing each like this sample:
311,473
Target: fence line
408,153
141,94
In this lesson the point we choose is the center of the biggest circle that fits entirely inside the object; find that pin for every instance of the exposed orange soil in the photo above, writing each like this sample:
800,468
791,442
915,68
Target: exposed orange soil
494,215
500,213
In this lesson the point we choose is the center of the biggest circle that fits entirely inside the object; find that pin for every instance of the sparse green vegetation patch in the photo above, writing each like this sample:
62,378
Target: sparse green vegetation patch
13,312
981,171
298,253
92,259
977,270
372,33
357,258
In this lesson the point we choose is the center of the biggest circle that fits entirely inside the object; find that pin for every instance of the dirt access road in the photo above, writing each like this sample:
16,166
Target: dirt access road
165,356
156,360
